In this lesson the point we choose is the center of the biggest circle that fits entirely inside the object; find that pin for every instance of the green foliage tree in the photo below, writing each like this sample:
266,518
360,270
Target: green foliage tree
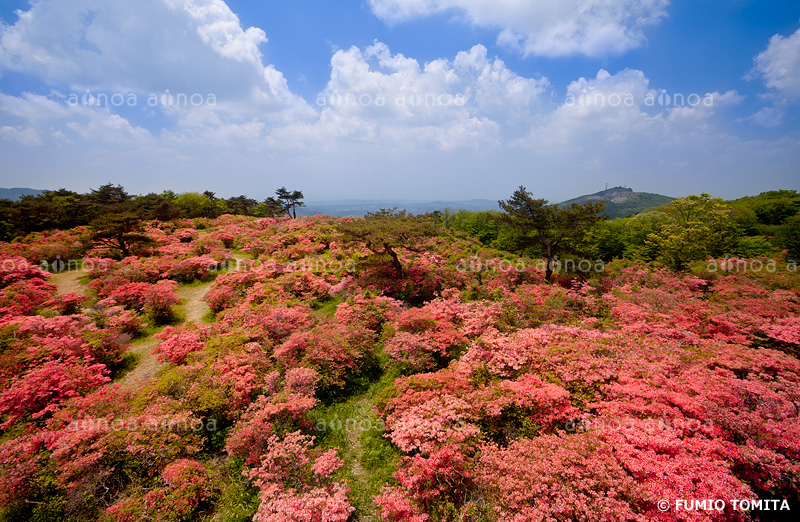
154,206
194,205
53,209
634,232
214,207
118,231
270,207
480,225
385,232
551,228
290,200
108,195
765,213
696,227
606,240
789,236
779,206
241,205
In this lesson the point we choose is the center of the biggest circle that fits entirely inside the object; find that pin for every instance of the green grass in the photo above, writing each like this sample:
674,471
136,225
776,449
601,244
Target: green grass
128,363
326,308
147,332
238,500
370,458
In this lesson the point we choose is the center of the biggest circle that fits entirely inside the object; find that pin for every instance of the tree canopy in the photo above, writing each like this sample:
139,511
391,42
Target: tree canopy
552,228
290,200
385,232
696,227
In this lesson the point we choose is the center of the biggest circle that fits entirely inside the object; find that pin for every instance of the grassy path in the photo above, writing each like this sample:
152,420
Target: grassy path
193,307
146,363
354,453
369,458
67,282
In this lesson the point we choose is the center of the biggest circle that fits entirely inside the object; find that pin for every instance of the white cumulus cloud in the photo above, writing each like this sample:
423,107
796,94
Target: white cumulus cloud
376,95
190,47
779,65
53,117
545,27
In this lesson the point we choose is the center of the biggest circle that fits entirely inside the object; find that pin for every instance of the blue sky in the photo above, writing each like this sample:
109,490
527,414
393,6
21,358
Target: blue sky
416,99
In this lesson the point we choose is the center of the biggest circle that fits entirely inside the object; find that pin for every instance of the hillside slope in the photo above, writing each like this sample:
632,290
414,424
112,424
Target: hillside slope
622,201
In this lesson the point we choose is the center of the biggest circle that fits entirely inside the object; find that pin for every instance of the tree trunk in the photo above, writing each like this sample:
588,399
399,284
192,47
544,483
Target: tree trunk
548,273
123,246
398,267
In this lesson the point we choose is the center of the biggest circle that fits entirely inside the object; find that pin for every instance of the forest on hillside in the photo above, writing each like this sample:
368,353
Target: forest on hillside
184,357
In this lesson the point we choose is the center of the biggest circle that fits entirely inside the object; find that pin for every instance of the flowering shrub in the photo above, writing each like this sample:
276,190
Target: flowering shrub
241,375
220,298
425,275
192,268
25,297
267,323
295,488
229,288
14,269
41,390
159,300
186,487
785,331
67,304
19,461
302,381
97,267
305,285
130,295
125,321
187,235
369,312
531,478
176,344
254,431
332,350
425,338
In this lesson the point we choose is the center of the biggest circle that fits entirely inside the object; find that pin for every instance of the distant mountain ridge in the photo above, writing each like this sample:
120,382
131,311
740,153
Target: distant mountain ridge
359,207
15,193
622,201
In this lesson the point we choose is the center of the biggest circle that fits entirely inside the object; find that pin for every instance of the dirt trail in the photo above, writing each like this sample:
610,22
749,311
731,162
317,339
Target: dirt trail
193,295
67,282
240,259
146,367
193,303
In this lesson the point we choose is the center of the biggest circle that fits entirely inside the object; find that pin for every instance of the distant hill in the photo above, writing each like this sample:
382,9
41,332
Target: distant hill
15,193
359,207
622,201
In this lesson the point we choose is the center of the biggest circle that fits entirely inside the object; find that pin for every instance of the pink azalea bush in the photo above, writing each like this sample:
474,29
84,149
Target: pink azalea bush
176,344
